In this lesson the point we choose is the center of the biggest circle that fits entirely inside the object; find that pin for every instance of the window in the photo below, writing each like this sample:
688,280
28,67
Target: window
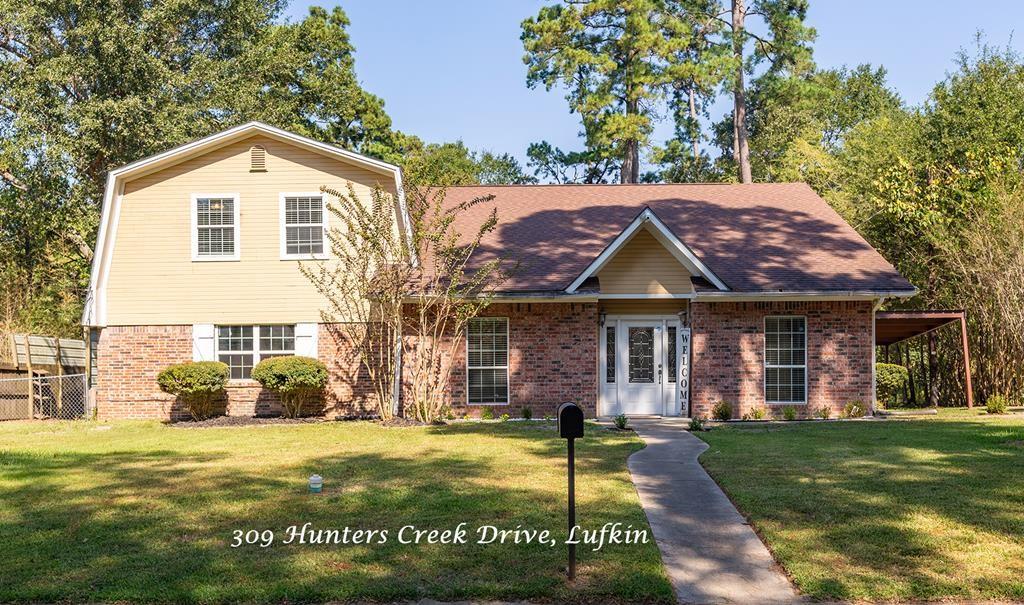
215,226
672,368
303,229
785,359
609,354
487,360
242,347
641,355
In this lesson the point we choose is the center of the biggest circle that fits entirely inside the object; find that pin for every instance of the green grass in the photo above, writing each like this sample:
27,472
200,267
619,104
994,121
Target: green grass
922,509
142,512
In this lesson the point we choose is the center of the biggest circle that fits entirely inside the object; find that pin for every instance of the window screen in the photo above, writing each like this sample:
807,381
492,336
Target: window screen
304,225
785,359
487,360
215,225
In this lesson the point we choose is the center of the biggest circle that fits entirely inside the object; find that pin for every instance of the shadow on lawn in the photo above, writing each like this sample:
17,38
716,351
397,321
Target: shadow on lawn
865,496
156,526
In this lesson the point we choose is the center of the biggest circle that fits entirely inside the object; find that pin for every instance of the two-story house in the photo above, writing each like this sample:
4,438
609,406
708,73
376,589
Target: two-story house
636,299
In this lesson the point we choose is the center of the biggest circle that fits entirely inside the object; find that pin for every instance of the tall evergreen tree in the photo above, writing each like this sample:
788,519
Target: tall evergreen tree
610,55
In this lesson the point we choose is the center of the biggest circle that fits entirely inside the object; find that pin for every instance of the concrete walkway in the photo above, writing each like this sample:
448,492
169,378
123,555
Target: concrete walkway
710,553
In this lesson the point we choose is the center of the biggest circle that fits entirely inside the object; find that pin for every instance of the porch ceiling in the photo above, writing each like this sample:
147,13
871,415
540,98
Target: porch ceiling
892,327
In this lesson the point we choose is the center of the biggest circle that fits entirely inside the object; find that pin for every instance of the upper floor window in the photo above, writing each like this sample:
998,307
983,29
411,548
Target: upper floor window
302,215
215,227
785,359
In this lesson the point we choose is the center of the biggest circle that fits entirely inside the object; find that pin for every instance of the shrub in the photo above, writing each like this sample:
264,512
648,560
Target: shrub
722,411
198,384
295,379
621,421
757,413
891,380
487,414
997,404
854,409
789,413
823,412
697,423
504,417
527,413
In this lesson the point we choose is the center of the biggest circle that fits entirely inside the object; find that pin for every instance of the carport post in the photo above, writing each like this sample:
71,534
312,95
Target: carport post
967,359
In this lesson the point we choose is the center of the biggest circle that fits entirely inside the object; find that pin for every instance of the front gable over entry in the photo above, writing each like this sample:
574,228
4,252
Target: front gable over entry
647,260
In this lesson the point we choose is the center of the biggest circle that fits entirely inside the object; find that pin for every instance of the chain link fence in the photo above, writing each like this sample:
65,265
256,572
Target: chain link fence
44,397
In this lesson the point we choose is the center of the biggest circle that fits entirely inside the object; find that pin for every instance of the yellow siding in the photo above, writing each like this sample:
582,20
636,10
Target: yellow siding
644,307
153,279
644,266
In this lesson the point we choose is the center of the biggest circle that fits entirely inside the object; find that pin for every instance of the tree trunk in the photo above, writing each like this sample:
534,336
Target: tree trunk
741,149
631,163
694,124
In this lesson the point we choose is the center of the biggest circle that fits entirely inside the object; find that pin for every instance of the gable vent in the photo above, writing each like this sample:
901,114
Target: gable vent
257,159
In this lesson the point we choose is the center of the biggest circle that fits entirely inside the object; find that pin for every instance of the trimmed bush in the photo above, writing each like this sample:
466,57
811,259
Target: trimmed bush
527,413
722,411
891,380
789,413
196,383
997,404
295,379
854,409
621,422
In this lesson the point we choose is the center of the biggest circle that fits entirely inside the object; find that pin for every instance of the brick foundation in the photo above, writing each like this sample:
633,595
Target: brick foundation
728,354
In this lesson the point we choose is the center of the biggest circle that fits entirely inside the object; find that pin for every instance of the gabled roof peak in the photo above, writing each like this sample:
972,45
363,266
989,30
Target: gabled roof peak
649,220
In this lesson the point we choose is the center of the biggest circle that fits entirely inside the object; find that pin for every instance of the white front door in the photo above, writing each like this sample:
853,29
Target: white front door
644,366
641,357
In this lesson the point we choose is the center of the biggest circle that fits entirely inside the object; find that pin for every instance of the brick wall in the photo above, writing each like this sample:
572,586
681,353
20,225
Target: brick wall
552,359
728,353
130,357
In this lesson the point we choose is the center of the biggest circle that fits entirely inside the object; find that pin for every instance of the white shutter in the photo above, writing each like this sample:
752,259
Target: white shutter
203,343
306,339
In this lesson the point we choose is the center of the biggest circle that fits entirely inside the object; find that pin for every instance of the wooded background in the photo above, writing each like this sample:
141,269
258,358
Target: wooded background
87,87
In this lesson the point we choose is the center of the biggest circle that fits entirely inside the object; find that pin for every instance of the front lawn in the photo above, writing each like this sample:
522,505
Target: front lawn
927,508
142,512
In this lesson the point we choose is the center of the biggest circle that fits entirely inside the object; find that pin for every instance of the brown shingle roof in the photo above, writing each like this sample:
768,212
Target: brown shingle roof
755,238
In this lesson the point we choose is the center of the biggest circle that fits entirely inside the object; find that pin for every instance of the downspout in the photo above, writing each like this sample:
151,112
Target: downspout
874,352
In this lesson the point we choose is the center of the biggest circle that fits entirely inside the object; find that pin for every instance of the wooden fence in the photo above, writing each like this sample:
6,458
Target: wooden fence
42,355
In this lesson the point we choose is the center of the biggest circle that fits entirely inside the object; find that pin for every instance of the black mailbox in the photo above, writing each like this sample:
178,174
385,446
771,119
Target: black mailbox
570,421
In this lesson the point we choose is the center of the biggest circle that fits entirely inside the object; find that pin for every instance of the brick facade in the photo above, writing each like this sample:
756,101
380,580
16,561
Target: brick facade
130,357
552,359
728,354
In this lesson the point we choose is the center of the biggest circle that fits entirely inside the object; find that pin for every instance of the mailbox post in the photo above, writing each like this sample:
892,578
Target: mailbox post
570,427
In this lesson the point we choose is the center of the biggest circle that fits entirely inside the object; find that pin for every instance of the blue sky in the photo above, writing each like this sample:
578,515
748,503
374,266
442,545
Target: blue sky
452,69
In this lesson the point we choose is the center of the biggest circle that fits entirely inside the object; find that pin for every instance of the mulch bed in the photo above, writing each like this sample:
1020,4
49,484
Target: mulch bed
223,421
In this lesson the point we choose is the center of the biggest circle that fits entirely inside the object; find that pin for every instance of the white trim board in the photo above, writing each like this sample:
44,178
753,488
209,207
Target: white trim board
680,251
95,311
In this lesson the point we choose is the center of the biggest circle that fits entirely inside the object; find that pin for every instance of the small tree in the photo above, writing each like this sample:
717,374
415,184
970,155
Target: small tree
197,384
415,276
295,379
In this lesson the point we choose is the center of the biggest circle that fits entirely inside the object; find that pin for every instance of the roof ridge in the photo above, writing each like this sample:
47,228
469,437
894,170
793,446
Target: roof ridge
529,185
